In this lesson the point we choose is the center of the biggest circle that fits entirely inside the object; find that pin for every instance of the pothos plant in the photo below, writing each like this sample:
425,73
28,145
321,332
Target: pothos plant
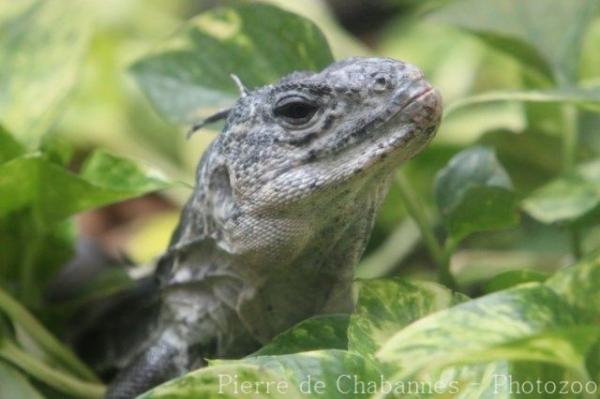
534,333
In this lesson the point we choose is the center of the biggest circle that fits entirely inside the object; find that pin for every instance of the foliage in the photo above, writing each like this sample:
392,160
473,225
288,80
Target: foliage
519,332
183,86
42,47
506,199
572,198
474,193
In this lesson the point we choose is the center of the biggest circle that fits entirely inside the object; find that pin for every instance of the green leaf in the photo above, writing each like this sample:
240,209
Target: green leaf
511,278
472,381
593,362
507,370
316,374
474,193
41,47
567,347
571,199
579,285
319,332
544,34
38,195
529,156
13,384
549,375
584,96
188,76
54,193
121,175
9,147
225,381
35,256
56,149
6,327
336,369
529,322
385,306
398,244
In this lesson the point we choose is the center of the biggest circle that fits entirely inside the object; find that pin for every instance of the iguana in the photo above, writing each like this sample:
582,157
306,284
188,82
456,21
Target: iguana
283,205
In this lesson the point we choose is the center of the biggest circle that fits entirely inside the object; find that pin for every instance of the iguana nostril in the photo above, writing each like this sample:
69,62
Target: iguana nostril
381,83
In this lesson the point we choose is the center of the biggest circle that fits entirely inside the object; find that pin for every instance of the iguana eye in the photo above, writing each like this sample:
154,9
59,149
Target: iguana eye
295,111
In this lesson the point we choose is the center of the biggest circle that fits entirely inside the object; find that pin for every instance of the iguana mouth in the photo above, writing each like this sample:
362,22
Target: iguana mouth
393,136
393,121
396,127
418,96
428,116
399,112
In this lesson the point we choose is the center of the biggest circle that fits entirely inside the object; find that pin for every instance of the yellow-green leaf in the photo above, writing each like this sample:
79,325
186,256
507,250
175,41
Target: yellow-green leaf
188,76
544,34
474,193
42,45
571,199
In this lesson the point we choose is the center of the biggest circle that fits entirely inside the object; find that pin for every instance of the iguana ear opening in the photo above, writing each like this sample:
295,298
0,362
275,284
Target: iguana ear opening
220,195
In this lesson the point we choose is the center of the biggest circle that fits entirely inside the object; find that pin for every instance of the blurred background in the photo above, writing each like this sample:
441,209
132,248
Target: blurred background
107,109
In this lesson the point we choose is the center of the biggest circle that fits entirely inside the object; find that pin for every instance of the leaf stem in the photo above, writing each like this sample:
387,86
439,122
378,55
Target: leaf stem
570,144
445,274
38,332
570,136
417,212
27,269
54,378
576,244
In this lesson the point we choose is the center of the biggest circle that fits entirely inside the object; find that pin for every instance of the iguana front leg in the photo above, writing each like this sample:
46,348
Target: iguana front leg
198,320
156,364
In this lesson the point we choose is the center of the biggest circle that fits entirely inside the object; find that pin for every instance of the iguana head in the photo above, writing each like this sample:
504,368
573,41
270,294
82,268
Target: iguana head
311,130
311,136
286,195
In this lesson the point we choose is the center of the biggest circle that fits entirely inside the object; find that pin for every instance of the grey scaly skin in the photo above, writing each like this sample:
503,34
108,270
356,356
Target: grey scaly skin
283,206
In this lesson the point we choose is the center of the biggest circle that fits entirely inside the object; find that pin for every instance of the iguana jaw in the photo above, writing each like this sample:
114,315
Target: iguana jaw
401,132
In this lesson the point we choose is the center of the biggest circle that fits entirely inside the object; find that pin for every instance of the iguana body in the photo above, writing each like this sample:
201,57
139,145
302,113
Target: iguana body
283,205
